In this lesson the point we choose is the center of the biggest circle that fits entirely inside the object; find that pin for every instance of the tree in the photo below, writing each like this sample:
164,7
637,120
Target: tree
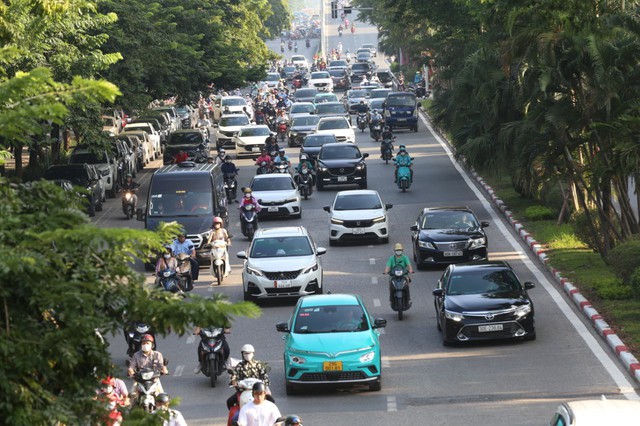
279,19
64,279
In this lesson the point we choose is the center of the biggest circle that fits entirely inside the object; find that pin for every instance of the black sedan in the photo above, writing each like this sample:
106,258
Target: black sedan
299,127
483,301
341,164
313,143
443,235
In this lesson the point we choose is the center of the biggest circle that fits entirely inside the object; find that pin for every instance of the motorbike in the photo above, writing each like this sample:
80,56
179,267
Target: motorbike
133,333
282,168
308,43
148,387
168,279
244,390
305,183
376,129
403,177
282,130
362,121
248,220
282,48
230,186
387,150
339,32
295,48
185,280
218,260
263,168
290,46
399,291
128,207
210,353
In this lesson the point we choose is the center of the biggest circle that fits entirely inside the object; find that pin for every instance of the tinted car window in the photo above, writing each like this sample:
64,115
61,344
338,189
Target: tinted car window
87,157
272,184
311,120
360,67
78,176
318,140
296,109
306,93
384,76
483,281
317,75
191,138
234,102
358,94
280,247
254,131
340,152
333,124
330,319
330,109
337,73
358,202
401,100
240,120
449,220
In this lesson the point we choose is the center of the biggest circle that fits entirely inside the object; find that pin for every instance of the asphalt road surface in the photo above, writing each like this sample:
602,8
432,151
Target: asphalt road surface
514,383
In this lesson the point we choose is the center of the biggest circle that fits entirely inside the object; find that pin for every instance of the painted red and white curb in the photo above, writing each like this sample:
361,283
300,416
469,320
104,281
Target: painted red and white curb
604,330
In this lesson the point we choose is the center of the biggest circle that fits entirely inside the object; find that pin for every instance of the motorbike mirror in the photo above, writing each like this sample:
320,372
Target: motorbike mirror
414,228
529,285
388,206
241,255
282,327
379,323
327,209
438,292
166,361
320,251
484,224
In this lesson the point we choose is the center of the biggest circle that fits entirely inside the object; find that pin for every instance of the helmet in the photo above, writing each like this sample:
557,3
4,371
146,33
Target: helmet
398,246
362,102
147,338
247,191
163,398
259,387
303,156
281,150
385,128
108,381
247,348
293,420
217,219
221,151
129,175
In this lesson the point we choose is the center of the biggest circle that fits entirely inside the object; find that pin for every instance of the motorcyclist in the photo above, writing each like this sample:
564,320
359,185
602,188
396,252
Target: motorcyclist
282,46
361,107
108,392
248,367
146,358
385,135
249,199
222,154
130,185
175,417
374,118
228,167
271,144
339,47
348,56
218,233
403,159
282,159
399,259
305,164
167,261
292,420
184,245
199,331
264,157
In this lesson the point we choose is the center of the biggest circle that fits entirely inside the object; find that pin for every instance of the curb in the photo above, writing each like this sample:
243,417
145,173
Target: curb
604,330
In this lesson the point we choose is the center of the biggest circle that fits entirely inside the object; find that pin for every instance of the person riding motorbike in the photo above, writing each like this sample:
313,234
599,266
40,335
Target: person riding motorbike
218,233
361,107
403,159
248,367
399,259
175,417
108,392
282,46
184,245
305,164
271,144
166,261
374,118
130,185
222,154
146,358
264,157
385,135
249,199
282,159
199,331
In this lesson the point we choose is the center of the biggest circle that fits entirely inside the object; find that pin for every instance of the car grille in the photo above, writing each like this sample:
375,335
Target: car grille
287,290
334,376
357,223
341,138
320,84
196,239
452,245
228,134
272,203
249,148
471,331
341,171
282,275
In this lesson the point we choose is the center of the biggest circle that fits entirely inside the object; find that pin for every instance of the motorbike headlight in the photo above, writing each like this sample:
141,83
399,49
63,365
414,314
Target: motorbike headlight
387,113
379,219
166,274
296,359
426,244
253,271
522,311
127,196
368,357
337,221
142,329
455,316
131,335
477,242
147,375
310,269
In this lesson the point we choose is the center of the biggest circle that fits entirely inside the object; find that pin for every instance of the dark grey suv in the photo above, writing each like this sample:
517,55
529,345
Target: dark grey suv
341,164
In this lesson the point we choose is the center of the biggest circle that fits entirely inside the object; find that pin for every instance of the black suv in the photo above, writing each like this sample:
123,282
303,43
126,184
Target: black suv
81,175
341,164
184,140
443,235
359,70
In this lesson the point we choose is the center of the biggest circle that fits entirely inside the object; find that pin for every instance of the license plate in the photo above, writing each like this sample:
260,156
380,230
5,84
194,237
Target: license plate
358,230
452,253
492,327
332,366
255,149
342,178
272,209
402,119
282,284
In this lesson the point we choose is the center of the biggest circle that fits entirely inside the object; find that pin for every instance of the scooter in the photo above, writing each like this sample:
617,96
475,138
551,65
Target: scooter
148,387
244,390
263,168
185,279
168,279
376,129
399,291
339,32
128,207
210,353
403,177
231,186
248,220
305,183
361,121
133,333
218,260
308,43
387,150
282,168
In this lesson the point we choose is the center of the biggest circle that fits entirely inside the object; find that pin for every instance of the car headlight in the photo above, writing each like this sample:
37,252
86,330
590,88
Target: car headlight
522,311
296,359
291,200
455,316
337,221
322,168
360,166
253,271
477,242
426,244
379,219
368,357
310,269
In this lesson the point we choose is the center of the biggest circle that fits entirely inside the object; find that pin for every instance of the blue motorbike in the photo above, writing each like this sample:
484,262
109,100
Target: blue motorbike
403,175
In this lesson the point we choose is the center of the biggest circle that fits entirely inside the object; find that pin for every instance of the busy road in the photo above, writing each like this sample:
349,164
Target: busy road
499,383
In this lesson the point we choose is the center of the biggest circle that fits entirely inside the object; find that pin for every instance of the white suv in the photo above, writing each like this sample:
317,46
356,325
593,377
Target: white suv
358,215
281,263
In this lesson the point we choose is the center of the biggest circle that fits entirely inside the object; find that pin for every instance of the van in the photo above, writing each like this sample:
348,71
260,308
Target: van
596,412
401,110
190,194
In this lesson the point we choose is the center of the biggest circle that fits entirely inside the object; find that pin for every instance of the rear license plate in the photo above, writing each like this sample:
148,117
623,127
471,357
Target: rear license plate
452,253
272,209
492,327
358,230
332,366
282,284
342,178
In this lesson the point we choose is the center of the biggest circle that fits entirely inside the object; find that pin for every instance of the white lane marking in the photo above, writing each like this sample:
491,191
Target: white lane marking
374,280
391,403
385,362
372,261
191,339
376,303
179,370
371,246
626,387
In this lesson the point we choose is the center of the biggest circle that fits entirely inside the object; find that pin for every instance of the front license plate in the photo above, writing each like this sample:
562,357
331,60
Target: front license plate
332,366
342,178
255,149
282,284
358,230
492,327
452,253
272,209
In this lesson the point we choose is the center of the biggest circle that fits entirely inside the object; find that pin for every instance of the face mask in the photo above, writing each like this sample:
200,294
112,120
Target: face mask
398,252
247,195
108,389
146,347
167,256
248,356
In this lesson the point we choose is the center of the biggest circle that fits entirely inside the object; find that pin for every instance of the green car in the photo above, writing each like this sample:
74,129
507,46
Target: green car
332,340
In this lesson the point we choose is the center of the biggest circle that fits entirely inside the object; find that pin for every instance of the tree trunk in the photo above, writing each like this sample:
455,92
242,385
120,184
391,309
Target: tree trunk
18,156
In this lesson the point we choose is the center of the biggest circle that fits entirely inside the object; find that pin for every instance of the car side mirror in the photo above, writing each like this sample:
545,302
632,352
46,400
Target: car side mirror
528,285
438,292
379,323
327,209
320,251
388,206
484,224
414,228
282,327
365,155
241,255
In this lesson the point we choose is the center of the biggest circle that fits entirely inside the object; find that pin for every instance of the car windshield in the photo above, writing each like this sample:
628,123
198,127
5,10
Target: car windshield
301,109
273,77
289,69
338,64
87,157
408,100
298,58
310,120
449,220
337,73
77,175
374,94
306,93
384,77
174,202
191,138
347,152
330,109
325,98
318,140
254,131
182,110
376,104
360,67
234,102
364,55
240,120
280,247
272,184
318,75
334,124
330,319
357,202
483,281
358,94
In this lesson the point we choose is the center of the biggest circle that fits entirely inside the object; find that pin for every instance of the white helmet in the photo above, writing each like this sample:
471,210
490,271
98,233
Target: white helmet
247,348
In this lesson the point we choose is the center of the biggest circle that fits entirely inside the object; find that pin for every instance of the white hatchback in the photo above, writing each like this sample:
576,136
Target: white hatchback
358,215
250,140
277,194
321,80
337,126
281,263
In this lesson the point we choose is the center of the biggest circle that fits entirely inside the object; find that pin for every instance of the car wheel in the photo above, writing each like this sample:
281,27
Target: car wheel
320,290
377,386
289,390
415,128
384,240
92,210
99,206
247,296
333,243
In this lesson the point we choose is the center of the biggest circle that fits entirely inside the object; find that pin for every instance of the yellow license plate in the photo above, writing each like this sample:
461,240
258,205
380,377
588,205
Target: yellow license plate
332,366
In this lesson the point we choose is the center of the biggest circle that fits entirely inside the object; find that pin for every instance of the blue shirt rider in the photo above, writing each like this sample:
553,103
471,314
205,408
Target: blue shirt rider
281,158
184,245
